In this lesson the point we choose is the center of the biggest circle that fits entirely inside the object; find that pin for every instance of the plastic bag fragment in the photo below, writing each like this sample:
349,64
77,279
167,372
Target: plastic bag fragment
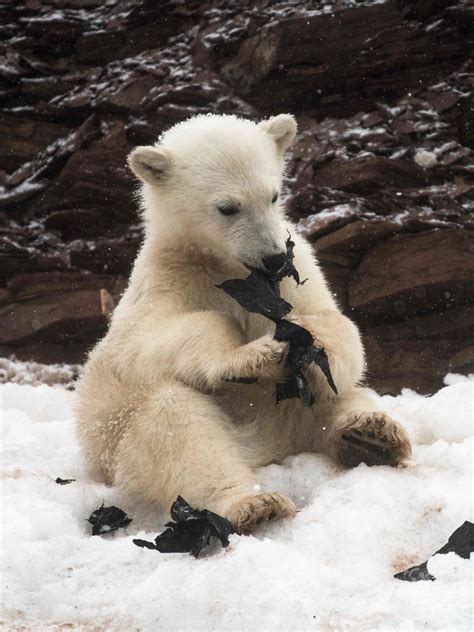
260,293
460,542
65,481
107,519
190,531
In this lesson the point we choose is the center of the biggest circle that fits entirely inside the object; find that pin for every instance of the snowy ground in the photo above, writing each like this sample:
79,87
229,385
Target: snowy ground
331,568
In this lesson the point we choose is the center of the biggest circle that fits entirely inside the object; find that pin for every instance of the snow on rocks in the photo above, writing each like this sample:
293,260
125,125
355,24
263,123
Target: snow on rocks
331,567
425,158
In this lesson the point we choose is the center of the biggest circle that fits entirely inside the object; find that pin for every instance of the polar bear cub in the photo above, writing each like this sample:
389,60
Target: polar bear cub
158,412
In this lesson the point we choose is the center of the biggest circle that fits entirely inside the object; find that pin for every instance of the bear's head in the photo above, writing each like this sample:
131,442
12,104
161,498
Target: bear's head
216,181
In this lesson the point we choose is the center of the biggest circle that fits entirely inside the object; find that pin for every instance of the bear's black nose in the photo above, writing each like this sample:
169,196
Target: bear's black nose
274,263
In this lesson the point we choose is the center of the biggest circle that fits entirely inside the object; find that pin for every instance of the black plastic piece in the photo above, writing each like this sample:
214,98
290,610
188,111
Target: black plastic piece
190,531
65,481
260,293
107,519
460,542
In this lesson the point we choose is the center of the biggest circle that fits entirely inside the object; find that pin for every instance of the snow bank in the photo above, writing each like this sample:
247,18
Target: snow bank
331,568
34,373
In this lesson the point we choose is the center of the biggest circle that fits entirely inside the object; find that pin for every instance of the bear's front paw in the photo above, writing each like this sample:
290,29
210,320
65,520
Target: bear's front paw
249,512
371,438
264,357
340,339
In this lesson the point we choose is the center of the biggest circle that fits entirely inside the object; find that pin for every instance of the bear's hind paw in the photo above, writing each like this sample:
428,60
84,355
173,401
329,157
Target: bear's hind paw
371,438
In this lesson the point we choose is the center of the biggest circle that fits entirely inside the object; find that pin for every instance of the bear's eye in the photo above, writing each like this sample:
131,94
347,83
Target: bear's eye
228,208
275,197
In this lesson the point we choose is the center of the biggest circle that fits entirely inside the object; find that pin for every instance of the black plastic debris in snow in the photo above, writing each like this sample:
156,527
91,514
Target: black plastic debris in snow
260,293
190,532
460,542
107,519
65,481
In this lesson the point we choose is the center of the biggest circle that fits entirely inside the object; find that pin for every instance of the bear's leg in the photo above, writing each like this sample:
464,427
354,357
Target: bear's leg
181,443
352,431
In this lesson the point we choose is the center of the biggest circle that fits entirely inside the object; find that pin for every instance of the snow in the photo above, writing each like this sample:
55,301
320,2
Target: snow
426,159
361,132
308,225
330,568
34,373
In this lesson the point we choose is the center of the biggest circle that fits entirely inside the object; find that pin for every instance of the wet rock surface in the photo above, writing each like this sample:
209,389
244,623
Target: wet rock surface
380,178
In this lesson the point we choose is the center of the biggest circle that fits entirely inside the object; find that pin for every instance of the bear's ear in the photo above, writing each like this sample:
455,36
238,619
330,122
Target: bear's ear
150,164
282,129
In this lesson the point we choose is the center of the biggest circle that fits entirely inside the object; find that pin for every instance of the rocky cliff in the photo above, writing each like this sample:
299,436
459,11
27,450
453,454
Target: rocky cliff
381,178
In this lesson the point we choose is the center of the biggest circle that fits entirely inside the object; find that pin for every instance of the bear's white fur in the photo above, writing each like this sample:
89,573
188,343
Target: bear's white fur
155,414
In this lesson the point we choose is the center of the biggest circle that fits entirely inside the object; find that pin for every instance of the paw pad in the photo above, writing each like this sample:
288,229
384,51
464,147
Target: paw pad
374,440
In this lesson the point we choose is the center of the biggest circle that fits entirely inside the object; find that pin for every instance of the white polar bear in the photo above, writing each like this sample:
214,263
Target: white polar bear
154,411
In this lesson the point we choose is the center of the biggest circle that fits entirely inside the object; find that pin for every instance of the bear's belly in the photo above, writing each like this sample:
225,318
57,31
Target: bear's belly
245,403
271,430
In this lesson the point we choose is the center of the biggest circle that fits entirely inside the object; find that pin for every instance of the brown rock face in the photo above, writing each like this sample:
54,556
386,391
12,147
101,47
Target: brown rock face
370,174
380,178
412,274
299,62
